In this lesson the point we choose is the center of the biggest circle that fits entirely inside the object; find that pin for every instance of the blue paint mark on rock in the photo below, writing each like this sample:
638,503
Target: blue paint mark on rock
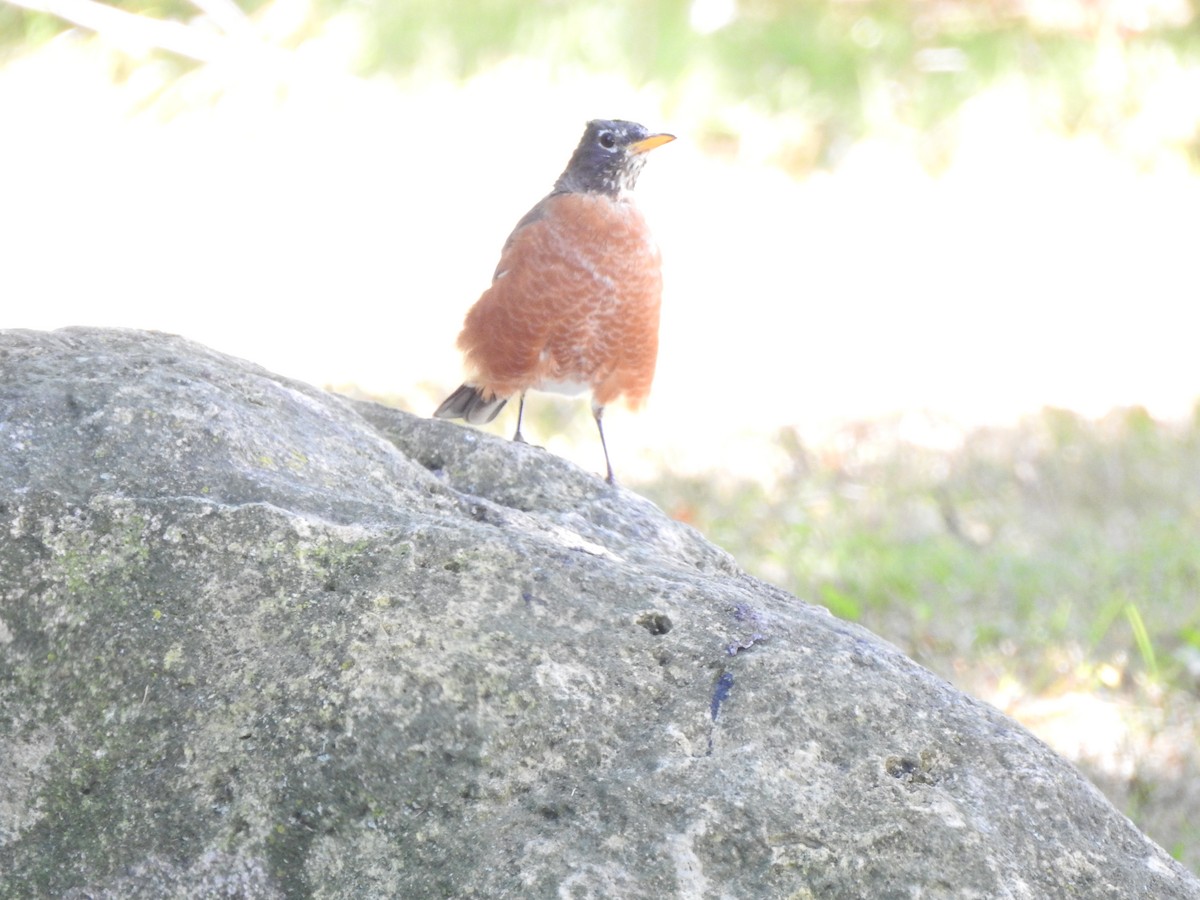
724,686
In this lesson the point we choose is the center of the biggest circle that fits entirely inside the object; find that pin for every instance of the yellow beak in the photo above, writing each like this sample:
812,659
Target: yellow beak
655,140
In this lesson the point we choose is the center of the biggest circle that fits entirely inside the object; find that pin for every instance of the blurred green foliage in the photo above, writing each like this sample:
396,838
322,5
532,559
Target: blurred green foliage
1063,532
843,68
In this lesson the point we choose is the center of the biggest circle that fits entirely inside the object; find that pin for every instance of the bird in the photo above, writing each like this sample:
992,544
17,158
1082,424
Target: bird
573,306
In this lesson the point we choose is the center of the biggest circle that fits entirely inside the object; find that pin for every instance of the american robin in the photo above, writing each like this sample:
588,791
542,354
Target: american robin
574,301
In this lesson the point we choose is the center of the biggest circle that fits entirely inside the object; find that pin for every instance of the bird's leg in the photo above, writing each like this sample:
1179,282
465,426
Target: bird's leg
598,413
518,437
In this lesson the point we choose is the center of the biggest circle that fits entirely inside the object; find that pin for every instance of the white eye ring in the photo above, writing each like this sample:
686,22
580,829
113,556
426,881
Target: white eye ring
607,141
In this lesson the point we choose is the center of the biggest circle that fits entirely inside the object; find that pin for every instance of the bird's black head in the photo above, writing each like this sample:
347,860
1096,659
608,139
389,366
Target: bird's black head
609,158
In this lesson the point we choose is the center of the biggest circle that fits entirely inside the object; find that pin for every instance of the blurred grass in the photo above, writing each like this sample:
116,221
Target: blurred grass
1061,530
1053,559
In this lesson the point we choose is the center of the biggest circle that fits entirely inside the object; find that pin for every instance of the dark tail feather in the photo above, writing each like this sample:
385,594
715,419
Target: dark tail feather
469,403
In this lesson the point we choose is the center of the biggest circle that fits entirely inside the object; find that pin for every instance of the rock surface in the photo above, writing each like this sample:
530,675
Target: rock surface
257,640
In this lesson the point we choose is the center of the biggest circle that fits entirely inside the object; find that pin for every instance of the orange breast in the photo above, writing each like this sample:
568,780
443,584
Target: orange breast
575,301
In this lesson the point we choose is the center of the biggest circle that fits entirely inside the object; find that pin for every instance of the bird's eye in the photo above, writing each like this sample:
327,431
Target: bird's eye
607,141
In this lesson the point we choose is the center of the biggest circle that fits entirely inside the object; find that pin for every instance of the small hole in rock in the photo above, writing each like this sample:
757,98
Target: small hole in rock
899,767
655,622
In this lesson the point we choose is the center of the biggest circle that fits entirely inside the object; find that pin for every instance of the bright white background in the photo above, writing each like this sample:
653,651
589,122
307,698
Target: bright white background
336,230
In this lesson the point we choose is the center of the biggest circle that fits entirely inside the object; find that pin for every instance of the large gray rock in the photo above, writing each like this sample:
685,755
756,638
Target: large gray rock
257,640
